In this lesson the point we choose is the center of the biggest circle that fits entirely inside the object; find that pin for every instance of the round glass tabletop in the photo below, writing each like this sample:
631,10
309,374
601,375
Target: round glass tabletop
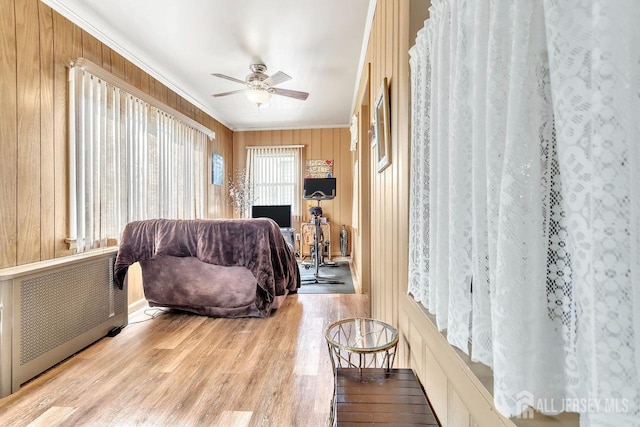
361,335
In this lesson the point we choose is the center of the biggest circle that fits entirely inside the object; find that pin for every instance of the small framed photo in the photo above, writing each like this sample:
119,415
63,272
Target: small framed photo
372,135
382,125
217,169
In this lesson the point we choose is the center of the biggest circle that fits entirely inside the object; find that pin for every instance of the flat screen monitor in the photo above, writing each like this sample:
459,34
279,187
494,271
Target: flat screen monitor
319,188
281,214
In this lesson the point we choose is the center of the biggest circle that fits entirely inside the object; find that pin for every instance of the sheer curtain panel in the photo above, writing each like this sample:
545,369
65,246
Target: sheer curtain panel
525,198
128,161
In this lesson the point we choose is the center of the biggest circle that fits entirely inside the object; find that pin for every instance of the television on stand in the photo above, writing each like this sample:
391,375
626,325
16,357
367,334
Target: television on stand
281,214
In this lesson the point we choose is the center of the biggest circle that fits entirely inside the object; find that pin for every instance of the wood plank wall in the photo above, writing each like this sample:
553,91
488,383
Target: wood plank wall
36,45
218,195
329,143
387,56
458,397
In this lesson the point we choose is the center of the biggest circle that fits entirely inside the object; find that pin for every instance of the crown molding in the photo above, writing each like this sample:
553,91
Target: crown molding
126,51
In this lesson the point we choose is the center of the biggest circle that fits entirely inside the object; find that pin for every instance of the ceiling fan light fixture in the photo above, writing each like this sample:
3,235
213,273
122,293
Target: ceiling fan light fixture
260,87
258,96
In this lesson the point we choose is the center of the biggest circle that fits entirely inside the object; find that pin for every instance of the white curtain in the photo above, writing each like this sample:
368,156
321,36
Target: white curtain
525,197
129,161
275,176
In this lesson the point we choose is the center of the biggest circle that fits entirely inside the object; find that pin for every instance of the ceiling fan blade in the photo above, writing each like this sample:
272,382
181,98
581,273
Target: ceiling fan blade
228,93
291,93
277,78
224,76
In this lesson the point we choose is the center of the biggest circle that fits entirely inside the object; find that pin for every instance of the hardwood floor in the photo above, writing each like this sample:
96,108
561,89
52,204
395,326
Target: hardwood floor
186,370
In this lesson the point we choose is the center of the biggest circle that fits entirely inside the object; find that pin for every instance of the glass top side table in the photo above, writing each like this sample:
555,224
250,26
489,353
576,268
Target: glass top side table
361,343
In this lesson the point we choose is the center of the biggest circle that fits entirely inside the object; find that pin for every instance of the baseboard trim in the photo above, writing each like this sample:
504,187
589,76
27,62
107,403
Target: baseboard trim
137,305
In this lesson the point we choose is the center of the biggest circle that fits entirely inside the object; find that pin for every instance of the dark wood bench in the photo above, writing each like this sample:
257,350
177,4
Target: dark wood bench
372,395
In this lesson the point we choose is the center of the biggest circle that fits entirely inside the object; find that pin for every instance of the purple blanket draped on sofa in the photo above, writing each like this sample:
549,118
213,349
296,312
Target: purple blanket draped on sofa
203,266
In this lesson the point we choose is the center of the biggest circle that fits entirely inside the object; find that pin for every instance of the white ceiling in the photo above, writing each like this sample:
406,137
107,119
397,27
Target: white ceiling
319,43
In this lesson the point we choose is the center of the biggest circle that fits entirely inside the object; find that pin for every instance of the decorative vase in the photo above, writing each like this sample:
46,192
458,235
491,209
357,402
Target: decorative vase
344,241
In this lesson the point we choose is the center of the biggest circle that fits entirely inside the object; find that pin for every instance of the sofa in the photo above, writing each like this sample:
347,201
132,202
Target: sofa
218,268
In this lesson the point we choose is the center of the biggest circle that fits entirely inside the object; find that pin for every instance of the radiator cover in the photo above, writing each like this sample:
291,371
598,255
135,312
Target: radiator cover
52,309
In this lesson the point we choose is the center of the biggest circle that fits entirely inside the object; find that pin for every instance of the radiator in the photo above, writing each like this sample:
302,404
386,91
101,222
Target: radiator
50,310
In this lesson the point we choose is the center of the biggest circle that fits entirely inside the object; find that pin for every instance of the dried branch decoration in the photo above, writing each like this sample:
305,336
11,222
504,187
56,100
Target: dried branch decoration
240,192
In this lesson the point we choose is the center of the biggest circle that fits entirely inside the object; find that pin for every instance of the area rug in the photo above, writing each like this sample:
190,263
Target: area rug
341,273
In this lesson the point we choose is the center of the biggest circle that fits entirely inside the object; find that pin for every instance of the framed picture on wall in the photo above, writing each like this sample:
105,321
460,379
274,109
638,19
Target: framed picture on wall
319,168
217,169
372,134
382,126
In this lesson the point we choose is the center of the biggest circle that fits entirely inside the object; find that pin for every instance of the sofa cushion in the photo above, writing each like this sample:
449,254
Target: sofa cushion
186,283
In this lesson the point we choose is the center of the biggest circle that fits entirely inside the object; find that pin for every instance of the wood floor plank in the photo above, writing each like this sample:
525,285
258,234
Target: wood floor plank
53,416
178,332
310,350
234,418
179,369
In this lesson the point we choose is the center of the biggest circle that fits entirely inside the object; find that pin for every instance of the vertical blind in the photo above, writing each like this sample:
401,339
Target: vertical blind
525,201
128,161
275,174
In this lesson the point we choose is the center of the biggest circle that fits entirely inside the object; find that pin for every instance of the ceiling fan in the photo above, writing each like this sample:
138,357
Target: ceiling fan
260,87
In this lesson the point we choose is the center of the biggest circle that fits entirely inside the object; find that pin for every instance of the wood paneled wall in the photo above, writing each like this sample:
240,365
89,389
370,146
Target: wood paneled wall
387,56
36,45
218,195
459,398
330,143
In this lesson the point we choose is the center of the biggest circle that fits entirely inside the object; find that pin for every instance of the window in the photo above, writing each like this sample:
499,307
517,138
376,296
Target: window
129,160
275,176
525,170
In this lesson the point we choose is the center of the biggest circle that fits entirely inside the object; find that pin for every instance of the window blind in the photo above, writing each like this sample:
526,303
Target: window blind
275,175
129,160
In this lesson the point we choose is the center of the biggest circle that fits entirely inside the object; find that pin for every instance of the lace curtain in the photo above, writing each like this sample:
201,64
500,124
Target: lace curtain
525,197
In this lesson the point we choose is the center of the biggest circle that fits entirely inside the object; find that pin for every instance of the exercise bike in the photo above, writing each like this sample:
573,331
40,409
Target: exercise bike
317,249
